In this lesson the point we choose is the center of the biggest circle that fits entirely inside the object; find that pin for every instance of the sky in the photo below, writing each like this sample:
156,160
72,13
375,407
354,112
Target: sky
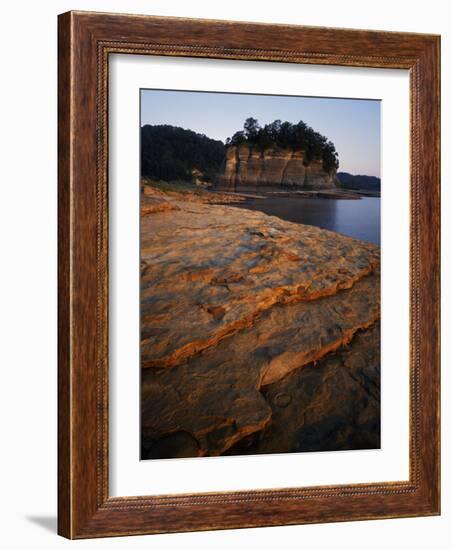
353,125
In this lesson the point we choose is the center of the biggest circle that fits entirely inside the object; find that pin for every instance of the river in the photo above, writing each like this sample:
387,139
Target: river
355,218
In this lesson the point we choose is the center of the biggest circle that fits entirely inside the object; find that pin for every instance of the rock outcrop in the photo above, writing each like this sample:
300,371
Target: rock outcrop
325,406
249,166
240,311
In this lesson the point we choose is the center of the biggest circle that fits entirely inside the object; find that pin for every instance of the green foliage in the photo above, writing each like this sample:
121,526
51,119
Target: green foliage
289,136
171,153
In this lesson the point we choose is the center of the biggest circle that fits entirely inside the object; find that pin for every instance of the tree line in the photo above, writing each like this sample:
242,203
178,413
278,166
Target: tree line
359,182
171,153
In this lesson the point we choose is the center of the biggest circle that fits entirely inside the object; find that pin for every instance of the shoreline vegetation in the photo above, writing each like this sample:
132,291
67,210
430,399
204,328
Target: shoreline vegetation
258,335
279,157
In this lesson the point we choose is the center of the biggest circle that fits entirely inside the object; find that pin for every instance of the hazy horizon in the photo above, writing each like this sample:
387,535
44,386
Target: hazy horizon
353,125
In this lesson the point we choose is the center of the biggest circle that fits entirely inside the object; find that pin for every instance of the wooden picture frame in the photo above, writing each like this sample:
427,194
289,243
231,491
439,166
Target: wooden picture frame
86,40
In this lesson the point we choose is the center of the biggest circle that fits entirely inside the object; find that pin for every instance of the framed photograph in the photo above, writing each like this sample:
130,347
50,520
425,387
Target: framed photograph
248,275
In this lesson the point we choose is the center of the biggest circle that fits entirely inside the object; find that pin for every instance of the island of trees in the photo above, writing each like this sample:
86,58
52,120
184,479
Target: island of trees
286,135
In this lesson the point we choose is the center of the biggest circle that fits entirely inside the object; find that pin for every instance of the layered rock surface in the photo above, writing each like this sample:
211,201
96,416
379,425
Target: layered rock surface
333,404
234,304
248,166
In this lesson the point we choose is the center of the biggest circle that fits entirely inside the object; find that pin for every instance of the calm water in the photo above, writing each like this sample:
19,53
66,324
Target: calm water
356,218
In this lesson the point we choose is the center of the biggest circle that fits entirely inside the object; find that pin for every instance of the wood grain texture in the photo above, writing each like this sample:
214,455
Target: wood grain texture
64,295
85,42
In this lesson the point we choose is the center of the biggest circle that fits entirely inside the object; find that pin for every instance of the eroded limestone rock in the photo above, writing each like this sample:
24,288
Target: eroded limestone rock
333,404
209,271
236,306
216,396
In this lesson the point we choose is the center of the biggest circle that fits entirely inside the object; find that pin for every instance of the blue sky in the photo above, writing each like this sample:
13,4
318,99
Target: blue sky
353,125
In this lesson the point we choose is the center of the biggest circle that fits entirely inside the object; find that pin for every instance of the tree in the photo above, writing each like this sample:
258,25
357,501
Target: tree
273,130
251,129
238,138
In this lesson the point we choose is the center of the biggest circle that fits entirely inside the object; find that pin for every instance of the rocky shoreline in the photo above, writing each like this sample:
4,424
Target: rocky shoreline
258,335
336,193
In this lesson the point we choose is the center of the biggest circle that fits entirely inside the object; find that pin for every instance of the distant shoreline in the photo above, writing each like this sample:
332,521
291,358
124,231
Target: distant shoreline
263,193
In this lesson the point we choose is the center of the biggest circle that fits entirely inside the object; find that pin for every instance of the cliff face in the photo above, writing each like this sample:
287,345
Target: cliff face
248,166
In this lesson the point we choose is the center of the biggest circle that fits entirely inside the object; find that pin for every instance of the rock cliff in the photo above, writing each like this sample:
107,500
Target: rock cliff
249,166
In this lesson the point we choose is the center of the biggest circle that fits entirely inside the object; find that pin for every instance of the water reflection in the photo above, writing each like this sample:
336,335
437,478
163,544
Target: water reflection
355,218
